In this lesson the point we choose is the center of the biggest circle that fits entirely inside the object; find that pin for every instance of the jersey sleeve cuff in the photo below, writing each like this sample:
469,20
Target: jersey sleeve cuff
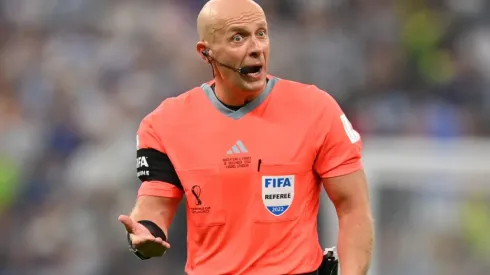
344,169
159,189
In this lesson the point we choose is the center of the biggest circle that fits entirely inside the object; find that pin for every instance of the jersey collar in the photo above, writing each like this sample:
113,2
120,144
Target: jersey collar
245,109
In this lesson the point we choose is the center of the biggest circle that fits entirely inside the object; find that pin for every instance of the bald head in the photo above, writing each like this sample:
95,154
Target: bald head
233,34
216,15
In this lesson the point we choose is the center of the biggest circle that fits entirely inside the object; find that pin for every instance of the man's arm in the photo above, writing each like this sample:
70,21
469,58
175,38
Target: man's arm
349,194
158,196
340,166
161,190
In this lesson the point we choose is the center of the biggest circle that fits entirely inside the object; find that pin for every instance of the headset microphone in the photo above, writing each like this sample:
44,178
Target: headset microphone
249,70
243,70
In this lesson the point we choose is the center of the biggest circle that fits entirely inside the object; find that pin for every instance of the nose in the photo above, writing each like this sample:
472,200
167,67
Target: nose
255,48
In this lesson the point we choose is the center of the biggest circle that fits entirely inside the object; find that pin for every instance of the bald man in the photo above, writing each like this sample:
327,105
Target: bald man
251,153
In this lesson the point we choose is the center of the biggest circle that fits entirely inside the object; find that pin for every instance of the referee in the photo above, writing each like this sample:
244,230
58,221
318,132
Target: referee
251,153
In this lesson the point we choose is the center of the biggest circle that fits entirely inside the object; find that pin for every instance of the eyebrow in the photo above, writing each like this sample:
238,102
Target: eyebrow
262,24
236,29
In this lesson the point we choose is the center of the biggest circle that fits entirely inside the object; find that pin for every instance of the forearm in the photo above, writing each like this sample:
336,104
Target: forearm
161,211
158,217
355,242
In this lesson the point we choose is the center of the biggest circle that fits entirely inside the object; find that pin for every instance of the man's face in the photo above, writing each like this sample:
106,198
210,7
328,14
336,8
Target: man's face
242,42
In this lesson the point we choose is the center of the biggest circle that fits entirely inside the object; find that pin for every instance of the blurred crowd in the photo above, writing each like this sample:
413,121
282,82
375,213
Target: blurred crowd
77,77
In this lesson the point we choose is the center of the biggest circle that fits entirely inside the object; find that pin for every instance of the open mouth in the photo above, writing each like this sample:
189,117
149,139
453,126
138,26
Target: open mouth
252,70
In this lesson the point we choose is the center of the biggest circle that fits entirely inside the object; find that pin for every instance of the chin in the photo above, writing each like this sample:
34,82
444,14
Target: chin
255,85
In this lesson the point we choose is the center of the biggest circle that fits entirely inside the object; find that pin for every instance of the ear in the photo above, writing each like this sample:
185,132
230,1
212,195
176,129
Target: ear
201,47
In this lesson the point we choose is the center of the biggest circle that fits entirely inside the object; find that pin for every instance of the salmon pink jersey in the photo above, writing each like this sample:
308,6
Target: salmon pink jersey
251,176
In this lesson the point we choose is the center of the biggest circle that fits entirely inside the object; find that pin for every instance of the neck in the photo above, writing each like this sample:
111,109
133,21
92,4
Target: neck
233,96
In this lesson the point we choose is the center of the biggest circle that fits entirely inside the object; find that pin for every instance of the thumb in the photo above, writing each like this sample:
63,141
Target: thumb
128,223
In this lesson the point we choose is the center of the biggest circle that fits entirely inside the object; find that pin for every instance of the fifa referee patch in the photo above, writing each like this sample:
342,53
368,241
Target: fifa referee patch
277,193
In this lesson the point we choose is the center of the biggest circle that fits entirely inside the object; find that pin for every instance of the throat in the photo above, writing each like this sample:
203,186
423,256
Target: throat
229,106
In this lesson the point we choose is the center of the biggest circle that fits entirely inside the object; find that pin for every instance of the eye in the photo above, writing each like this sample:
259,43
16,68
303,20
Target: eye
237,38
262,33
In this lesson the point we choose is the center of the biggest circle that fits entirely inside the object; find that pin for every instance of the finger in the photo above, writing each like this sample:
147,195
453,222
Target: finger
153,245
162,242
160,246
139,240
127,222
167,245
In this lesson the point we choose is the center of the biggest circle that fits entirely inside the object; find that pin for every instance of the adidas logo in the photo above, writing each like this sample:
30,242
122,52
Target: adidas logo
238,148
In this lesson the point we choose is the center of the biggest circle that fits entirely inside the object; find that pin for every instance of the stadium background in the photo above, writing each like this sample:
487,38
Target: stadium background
77,76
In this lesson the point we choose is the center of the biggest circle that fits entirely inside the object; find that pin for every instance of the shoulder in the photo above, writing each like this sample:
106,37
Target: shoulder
305,94
172,108
163,121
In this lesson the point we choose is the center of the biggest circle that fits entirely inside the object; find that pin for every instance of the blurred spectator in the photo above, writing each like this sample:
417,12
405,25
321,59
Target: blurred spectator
77,77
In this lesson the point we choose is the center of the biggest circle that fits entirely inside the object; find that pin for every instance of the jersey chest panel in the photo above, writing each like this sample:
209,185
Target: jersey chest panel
236,149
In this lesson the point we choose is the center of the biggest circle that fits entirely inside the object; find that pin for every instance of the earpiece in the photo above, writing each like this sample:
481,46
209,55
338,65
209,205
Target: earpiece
205,52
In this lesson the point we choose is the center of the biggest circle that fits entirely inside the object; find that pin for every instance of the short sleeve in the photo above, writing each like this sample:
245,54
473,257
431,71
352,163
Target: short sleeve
154,167
340,145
